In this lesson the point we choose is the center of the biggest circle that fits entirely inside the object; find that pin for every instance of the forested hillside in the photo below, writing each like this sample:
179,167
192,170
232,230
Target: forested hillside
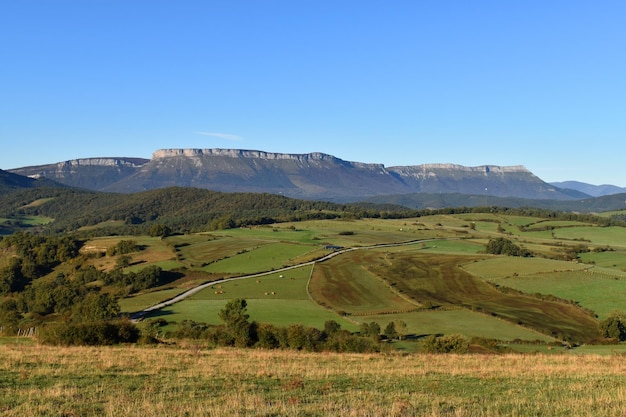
181,209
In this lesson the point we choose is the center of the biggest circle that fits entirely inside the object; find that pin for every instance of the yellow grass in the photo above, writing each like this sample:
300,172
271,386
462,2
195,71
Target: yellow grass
189,380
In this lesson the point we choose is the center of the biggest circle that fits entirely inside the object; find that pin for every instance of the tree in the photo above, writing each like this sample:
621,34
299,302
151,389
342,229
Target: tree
11,277
371,330
123,261
235,318
401,328
123,247
96,307
502,246
331,327
390,330
159,230
9,317
614,326
267,336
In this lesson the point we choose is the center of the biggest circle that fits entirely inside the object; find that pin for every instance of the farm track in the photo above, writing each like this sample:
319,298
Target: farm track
139,315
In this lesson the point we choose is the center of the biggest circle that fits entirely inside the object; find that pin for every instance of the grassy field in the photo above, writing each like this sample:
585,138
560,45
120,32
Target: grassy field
599,289
279,312
599,292
28,220
497,267
344,284
445,266
459,321
154,251
188,380
280,299
260,258
403,279
615,260
142,301
436,279
435,287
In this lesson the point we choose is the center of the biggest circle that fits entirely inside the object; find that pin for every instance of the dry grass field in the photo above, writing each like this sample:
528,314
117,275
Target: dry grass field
188,380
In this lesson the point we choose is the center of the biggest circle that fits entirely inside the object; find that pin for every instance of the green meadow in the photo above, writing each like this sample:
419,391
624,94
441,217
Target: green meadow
435,276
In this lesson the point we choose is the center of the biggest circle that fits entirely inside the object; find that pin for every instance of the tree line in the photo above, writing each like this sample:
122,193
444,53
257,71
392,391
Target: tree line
31,293
185,209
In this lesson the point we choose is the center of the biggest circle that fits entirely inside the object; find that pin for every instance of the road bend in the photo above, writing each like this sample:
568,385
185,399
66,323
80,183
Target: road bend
139,315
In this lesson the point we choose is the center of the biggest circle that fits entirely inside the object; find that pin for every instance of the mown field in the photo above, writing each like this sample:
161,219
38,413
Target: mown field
191,380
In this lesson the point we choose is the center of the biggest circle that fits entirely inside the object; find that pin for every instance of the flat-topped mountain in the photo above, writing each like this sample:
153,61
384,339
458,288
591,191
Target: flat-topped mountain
90,173
311,176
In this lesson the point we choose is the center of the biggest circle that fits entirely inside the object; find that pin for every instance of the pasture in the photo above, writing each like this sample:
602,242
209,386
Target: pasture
190,380
458,321
446,273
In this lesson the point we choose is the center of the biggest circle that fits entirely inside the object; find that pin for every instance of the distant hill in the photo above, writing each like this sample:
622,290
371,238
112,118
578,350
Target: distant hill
420,201
592,190
181,208
309,176
10,182
188,209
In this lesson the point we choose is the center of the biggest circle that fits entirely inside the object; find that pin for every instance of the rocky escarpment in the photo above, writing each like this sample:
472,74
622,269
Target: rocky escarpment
260,155
312,175
90,173
500,181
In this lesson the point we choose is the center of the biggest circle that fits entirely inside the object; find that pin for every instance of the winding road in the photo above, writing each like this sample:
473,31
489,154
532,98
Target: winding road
139,315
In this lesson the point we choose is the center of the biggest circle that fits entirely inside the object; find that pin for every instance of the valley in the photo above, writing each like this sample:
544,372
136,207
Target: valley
442,278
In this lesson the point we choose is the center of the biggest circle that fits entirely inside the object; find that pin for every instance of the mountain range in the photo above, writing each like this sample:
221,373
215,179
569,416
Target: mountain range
592,190
308,176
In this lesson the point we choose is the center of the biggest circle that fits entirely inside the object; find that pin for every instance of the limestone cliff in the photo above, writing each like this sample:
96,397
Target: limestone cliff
313,175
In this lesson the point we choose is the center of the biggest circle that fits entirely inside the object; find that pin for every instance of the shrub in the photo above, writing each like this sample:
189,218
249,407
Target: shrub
446,344
614,327
89,333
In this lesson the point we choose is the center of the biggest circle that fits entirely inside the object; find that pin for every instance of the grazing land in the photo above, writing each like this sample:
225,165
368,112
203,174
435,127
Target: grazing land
435,275
191,380
533,323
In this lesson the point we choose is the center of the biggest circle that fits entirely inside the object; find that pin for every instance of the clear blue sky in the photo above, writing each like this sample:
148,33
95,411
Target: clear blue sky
534,83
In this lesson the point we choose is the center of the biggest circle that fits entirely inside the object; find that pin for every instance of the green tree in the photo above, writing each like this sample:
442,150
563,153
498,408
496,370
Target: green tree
123,261
95,307
296,336
401,328
371,329
235,318
502,246
123,247
331,327
159,230
9,317
267,336
614,326
11,277
390,330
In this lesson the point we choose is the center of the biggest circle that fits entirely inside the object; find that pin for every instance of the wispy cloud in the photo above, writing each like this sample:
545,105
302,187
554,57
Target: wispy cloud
220,135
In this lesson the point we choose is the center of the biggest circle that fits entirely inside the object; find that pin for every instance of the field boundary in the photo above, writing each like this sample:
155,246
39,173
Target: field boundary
139,315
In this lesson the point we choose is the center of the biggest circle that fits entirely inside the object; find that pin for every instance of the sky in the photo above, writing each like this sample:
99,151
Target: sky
535,83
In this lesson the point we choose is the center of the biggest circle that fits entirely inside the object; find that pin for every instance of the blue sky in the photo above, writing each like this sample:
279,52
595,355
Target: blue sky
533,83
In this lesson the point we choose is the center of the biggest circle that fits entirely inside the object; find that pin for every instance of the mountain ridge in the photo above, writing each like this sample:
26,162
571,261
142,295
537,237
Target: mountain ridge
592,190
313,175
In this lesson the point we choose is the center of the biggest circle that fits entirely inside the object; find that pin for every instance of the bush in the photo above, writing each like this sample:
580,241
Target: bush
446,344
89,333
614,327
502,246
